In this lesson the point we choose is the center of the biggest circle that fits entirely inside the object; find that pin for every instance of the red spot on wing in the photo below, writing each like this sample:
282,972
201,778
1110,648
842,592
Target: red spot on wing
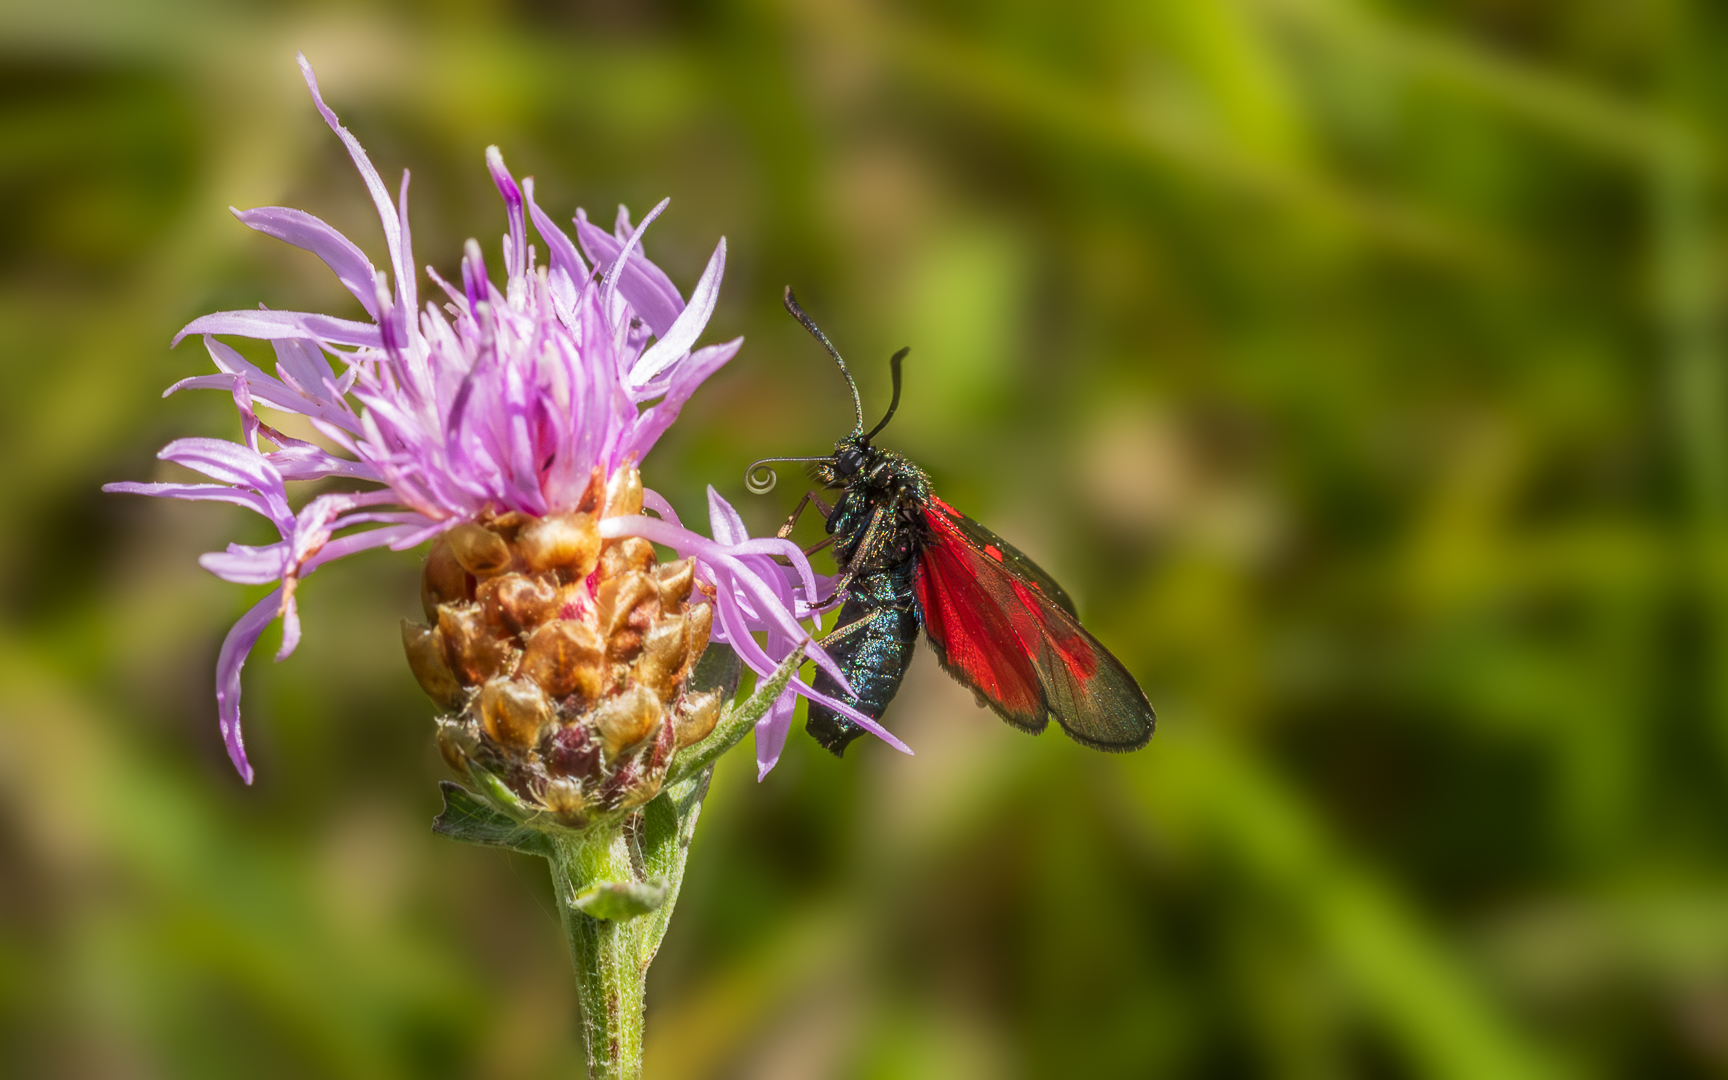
945,508
993,551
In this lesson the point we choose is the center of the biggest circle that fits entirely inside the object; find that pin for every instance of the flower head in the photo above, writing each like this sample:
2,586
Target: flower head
488,416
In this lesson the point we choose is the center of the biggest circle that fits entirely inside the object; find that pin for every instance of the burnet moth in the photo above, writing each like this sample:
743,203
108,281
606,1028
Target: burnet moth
999,624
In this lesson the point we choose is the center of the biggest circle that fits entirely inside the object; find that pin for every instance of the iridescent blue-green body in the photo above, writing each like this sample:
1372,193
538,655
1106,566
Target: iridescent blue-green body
883,487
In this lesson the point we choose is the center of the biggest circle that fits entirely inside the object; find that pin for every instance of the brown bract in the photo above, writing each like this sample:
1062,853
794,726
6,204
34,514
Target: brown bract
561,658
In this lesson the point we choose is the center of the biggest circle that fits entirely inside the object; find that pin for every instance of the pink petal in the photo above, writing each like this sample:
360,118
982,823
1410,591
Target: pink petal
401,259
235,648
270,325
301,229
688,326
644,285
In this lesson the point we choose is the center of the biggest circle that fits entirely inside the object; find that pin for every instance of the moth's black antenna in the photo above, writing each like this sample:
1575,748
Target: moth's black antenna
816,332
893,362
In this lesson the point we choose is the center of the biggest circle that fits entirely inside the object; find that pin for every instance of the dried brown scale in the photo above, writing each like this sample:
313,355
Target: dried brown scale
623,493
700,619
562,659
663,657
565,657
569,541
565,799
442,580
480,550
514,712
617,599
517,602
627,719
627,553
675,580
425,649
457,742
473,651
695,717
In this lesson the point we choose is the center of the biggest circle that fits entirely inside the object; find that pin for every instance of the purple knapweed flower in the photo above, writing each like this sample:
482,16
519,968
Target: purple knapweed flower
503,406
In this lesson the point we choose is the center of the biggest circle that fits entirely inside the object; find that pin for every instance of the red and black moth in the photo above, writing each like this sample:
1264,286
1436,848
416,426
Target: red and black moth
999,624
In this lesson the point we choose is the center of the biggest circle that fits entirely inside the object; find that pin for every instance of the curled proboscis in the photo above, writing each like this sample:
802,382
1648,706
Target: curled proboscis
760,478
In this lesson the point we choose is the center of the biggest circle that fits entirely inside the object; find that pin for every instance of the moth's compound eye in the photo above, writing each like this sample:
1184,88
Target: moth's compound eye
849,462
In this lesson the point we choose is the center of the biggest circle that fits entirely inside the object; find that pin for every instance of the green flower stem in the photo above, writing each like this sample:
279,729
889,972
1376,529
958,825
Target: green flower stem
617,880
611,956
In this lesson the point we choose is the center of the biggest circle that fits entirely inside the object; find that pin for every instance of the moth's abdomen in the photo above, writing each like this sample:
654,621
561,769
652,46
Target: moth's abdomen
874,657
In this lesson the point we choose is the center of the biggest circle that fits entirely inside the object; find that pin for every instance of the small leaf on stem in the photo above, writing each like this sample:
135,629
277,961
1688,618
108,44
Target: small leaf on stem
467,818
620,900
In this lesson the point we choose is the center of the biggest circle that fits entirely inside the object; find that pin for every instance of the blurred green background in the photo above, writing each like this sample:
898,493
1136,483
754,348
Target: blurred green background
1357,365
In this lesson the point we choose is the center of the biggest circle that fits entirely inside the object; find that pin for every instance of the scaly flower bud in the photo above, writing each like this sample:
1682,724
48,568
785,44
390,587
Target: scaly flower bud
563,659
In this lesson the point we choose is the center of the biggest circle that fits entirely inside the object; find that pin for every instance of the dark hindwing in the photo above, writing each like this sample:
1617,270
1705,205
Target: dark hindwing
1005,629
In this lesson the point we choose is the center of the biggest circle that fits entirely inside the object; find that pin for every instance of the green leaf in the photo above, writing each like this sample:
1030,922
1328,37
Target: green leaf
668,823
468,818
494,788
718,669
621,899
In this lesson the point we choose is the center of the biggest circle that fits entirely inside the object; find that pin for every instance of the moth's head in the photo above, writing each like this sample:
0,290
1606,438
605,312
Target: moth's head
850,454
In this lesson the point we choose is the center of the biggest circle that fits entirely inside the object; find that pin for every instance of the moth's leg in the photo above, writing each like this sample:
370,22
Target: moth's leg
819,545
829,603
841,632
798,511
792,518
866,549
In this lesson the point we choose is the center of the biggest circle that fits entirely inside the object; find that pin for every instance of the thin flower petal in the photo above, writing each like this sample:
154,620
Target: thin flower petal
272,391
516,264
339,253
245,565
561,252
229,662
687,376
685,329
343,546
771,732
195,493
271,325
401,259
656,502
650,293
867,723
231,463
723,521
305,461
